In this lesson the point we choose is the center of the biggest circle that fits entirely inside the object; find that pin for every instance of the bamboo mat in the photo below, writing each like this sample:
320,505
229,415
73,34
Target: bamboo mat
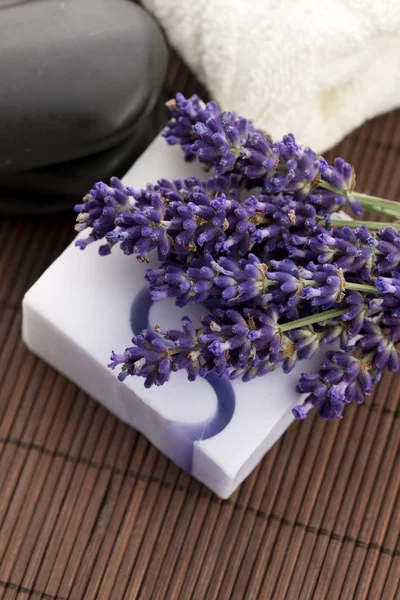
89,509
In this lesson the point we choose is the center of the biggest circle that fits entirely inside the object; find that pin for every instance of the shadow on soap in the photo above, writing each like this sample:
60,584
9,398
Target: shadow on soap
188,433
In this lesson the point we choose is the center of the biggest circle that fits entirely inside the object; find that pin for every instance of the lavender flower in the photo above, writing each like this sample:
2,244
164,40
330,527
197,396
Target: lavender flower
302,343
359,251
355,315
229,343
236,282
186,284
342,379
347,377
349,249
174,220
99,209
382,342
257,158
185,114
389,298
389,248
297,169
225,142
149,358
248,279
286,277
220,140
341,177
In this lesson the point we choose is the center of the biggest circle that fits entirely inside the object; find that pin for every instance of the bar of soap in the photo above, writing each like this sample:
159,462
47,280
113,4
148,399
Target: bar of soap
85,305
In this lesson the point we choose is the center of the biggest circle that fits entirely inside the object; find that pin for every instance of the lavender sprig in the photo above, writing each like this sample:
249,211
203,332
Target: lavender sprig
251,343
343,378
185,114
181,218
248,281
348,377
295,275
359,251
173,217
281,166
231,343
202,351
226,142
99,210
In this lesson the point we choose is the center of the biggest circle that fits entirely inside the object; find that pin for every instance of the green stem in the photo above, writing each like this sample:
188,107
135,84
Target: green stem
366,200
349,285
367,358
381,210
380,206
372,225
384,212
361,287
324,316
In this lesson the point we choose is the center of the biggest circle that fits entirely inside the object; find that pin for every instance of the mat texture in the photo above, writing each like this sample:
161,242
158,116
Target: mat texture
89,509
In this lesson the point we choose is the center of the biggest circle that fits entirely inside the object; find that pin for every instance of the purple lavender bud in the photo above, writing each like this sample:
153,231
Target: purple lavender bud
306,340
388,246
342,177
83,243
341,379
345,248
302,166
185,114
219,141
388,285
355,315
223,345
301,411
100,207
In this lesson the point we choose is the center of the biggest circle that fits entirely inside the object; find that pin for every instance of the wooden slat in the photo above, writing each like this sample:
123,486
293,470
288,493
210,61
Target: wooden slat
90,510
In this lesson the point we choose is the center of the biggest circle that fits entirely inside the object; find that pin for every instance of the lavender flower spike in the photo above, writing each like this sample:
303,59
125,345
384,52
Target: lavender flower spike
342,379
285,274
185,114
99,209
226,142
220,140
229,343
248,281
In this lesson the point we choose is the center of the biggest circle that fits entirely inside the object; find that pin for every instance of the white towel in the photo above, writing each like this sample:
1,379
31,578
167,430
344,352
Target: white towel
318,68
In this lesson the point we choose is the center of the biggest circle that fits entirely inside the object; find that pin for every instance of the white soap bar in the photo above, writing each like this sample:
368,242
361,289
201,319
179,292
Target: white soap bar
85,305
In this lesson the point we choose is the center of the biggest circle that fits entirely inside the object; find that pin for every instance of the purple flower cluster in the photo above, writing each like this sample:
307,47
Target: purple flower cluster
99,210
343,378
357,251
257,237
248,281
226,142
185,114
230,343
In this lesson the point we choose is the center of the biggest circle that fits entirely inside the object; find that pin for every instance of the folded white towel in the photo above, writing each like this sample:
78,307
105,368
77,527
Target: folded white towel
318,68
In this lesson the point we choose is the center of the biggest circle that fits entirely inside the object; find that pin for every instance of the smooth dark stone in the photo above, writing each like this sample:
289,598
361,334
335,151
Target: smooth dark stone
76,77
58,187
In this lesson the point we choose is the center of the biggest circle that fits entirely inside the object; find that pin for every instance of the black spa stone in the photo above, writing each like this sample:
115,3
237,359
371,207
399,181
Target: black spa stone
81,83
